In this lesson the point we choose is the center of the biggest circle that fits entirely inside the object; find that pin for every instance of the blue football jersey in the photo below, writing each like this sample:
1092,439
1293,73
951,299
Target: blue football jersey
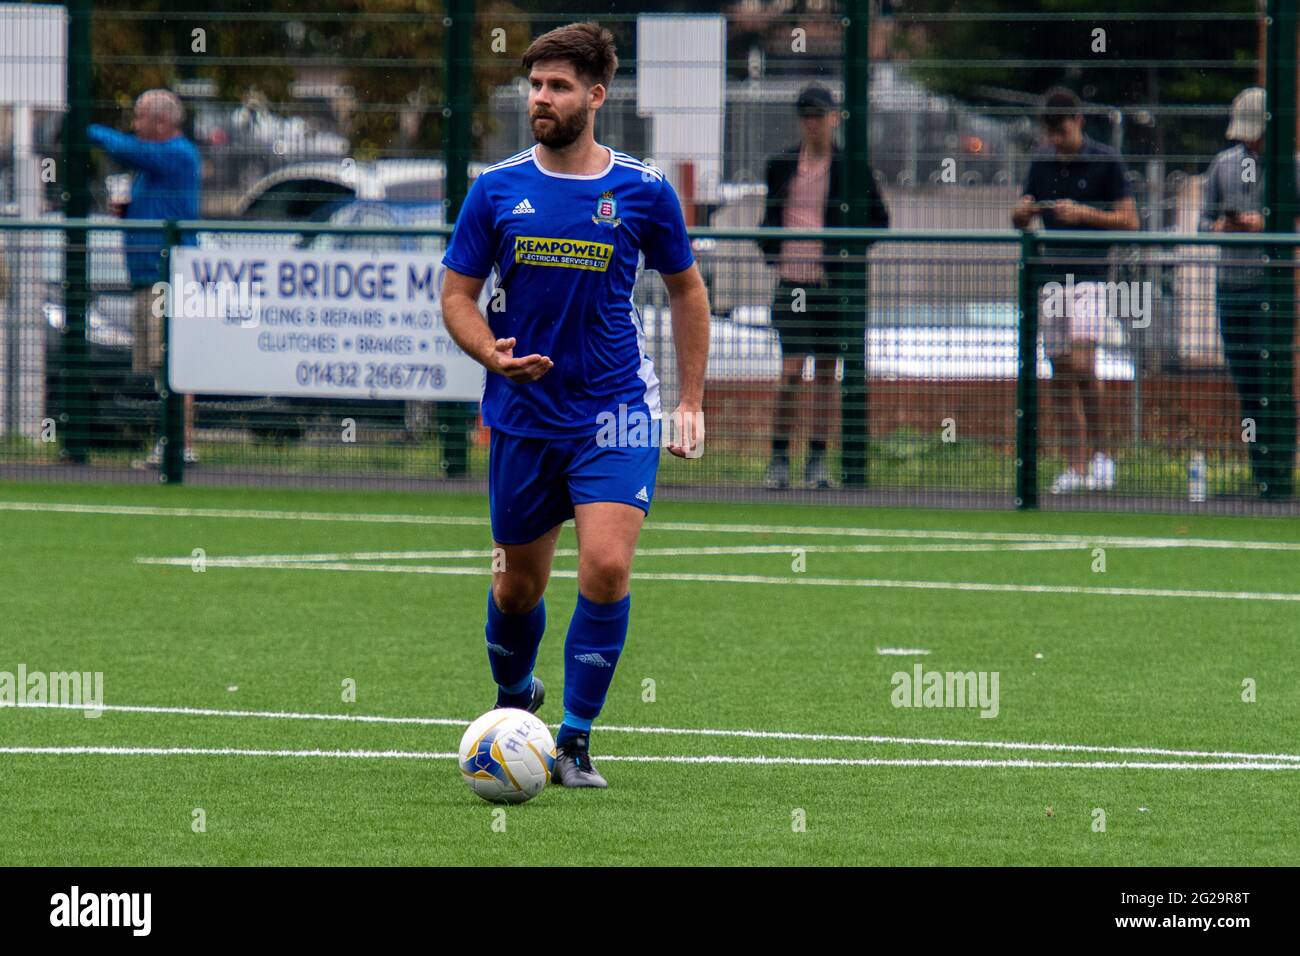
567,250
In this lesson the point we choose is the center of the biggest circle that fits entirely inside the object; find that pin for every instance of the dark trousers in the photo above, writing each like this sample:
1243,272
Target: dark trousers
818,328
1258,347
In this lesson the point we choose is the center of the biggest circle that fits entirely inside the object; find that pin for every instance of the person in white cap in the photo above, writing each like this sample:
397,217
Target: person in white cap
1234,202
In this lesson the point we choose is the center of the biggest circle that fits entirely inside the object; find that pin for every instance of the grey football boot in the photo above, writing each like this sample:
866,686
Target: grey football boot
573,765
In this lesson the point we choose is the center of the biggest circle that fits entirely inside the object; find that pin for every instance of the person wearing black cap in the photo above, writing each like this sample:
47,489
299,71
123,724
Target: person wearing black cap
805,190
1075,182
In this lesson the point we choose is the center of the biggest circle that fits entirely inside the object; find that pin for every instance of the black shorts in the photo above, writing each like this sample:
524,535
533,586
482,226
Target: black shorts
817,330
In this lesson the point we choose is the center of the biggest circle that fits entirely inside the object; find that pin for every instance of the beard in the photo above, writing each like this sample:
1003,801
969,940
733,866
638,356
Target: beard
559,132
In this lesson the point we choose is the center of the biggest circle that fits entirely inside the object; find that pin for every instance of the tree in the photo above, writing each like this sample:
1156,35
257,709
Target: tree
1174,59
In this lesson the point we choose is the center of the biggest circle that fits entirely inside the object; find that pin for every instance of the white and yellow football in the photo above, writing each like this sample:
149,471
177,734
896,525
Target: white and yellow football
507,756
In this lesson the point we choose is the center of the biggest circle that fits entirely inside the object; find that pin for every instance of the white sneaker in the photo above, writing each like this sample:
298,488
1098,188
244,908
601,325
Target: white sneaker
1101,473
1068,481
155,456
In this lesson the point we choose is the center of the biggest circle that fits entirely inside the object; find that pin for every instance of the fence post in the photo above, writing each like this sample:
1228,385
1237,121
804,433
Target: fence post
854,426
73,374
1277,430
1027,376
171,424
456,418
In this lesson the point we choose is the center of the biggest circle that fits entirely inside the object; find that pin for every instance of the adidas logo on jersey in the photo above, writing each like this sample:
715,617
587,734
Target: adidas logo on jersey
641,495
525,206
595,660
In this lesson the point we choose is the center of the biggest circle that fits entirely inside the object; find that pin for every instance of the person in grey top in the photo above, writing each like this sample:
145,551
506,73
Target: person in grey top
1234,193
1253,335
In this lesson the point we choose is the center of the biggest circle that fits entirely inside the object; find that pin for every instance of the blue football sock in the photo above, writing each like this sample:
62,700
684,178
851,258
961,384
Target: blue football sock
512,642
596,636
572,727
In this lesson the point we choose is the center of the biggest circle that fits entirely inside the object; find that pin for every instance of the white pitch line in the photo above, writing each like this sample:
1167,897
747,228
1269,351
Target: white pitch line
629,758
221,752
259,714
689,732
258,560
949,742
284,560
710,528
150,511
796,579
955,762
900,652
1113,540
973,586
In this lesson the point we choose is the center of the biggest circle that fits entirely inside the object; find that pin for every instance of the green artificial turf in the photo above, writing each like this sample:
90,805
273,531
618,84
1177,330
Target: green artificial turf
731,641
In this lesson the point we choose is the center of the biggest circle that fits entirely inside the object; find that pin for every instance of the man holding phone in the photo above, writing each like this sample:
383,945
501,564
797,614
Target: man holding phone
1075,182
1252,333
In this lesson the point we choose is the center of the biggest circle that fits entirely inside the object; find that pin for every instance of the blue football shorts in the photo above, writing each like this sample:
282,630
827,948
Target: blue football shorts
534,483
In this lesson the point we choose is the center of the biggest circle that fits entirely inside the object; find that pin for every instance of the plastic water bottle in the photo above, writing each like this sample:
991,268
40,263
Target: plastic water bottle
1196,477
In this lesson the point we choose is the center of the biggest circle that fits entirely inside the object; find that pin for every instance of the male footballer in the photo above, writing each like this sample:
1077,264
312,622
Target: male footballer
564,225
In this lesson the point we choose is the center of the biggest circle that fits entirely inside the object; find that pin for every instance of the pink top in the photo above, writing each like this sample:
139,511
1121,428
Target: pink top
805,208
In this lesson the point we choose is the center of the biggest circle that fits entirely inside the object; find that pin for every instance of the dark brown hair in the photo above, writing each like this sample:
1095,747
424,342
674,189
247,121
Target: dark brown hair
588,46
1060,104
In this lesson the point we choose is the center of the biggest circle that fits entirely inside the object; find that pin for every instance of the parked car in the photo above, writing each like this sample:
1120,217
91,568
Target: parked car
242,144
388,192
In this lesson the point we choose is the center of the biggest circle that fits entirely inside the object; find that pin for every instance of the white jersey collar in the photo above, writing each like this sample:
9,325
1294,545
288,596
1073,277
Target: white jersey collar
604,172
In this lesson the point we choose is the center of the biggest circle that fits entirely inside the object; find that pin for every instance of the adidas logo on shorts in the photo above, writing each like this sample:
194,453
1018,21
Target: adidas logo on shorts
641,495
525,206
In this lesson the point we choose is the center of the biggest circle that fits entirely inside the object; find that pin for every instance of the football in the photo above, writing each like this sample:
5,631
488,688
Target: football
507,756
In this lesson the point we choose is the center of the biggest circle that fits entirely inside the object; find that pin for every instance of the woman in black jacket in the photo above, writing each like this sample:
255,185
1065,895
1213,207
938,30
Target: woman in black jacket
821,287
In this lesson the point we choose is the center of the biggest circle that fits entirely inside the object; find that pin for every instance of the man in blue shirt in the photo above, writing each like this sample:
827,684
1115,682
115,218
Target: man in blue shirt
571,396
165,186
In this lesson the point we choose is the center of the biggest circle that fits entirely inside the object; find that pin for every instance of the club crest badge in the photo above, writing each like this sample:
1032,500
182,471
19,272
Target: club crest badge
606,207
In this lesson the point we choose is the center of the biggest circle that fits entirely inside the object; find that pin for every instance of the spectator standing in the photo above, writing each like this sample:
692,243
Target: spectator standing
817,286
166,172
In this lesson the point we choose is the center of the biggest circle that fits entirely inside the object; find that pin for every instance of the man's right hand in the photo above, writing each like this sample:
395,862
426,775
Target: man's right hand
117,209
527,369
1239,222
1023,214
1250,222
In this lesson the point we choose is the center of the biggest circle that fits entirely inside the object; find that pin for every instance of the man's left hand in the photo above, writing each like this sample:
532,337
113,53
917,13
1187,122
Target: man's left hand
688,431
1067,212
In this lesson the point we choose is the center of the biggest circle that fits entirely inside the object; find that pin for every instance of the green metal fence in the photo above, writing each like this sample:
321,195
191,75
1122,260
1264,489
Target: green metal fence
963,403
360,127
